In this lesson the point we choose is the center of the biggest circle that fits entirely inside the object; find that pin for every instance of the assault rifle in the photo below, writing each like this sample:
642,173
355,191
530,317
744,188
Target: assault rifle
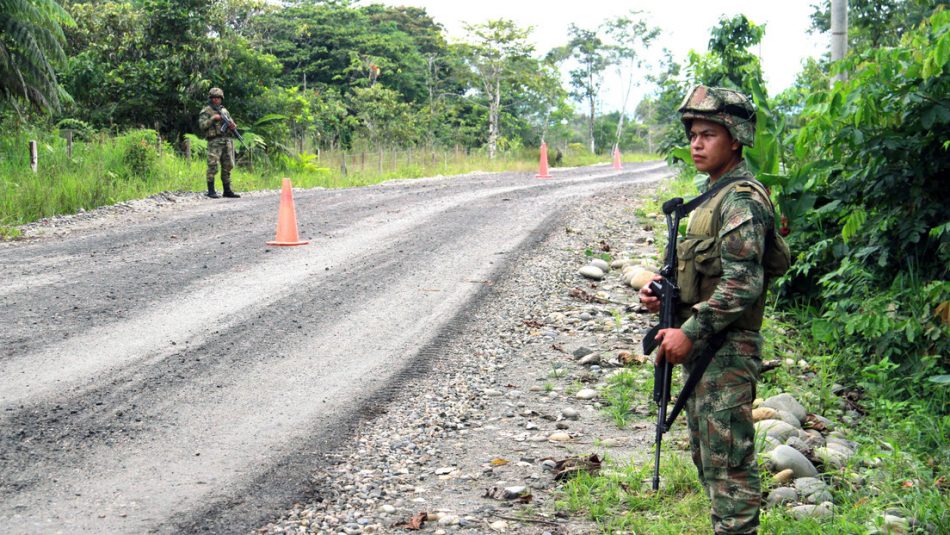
668,293
228,124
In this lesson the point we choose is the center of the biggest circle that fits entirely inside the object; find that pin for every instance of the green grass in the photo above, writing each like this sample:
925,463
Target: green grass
620,500
105,170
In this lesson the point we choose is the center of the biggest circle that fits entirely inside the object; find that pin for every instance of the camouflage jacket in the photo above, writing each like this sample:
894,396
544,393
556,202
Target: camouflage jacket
745,221
209,127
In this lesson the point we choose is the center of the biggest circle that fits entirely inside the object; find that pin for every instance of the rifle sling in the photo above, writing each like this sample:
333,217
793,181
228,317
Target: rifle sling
699,368
684,209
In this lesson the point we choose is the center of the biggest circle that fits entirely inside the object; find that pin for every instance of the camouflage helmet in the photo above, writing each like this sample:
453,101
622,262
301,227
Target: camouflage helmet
720,105
216,92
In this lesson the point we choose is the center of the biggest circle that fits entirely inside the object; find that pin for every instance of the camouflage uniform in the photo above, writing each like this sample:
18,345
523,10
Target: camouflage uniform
719,413
220,148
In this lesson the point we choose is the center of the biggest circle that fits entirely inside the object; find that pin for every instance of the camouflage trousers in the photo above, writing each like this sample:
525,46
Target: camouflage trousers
220,150
722,440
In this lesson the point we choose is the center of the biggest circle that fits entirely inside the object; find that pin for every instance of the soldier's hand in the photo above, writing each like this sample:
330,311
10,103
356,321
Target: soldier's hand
674,346
647,299
216,117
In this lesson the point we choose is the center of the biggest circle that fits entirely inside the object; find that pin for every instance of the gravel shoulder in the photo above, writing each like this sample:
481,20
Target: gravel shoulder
190,379
493,405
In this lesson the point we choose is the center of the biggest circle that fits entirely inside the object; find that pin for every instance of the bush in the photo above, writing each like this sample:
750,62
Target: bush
139,153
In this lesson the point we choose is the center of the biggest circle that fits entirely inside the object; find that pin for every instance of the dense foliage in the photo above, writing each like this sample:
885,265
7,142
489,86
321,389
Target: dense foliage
300,76
31,47
873,155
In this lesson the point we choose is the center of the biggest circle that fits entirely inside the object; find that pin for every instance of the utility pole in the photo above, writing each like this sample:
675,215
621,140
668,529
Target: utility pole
839,34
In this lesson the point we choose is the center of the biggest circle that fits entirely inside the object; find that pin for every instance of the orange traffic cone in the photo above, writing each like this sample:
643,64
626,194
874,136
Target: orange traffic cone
543,173
617,164
287,218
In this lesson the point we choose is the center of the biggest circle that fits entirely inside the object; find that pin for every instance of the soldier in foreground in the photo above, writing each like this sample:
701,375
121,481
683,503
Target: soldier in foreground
722,282
216,124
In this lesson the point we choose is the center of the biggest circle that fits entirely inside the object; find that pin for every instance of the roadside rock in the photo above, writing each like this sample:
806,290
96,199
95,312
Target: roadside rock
812,490
776,429
592,272
782,495
787,403
786,457
600,264
821,511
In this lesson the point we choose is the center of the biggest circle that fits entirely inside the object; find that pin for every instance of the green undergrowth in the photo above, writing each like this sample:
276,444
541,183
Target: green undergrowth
620,499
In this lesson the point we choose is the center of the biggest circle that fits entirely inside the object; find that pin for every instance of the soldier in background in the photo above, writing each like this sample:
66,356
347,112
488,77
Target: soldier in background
220,147
724,249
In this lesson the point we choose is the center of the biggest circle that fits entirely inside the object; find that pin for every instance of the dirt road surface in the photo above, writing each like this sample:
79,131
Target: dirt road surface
161,366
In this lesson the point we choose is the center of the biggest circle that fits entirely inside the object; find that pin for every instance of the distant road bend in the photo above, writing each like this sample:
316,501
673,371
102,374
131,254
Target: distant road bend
175,375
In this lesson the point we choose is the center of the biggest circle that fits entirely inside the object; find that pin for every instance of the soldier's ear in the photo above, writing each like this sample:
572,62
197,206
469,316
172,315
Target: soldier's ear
736,146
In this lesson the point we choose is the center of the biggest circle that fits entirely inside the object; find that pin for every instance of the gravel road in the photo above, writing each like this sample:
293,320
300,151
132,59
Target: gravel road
162,370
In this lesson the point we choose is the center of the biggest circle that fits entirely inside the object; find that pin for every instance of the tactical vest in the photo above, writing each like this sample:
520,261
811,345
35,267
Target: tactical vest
699,265
212,131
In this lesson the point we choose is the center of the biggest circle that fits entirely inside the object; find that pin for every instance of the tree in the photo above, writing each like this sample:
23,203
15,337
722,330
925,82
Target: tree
875,23
591,54
729,62
499,54
135,64
629,37
382,116
31,47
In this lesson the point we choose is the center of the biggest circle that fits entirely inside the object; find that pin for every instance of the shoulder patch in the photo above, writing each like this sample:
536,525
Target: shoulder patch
744,188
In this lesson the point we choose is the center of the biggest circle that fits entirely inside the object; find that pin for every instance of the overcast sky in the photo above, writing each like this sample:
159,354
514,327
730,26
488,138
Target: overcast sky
685,25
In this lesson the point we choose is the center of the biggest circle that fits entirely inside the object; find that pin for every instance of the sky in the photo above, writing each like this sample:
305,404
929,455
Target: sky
685,25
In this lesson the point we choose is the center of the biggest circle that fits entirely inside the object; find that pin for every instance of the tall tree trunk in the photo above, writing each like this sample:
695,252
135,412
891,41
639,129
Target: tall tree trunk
590,124
494,107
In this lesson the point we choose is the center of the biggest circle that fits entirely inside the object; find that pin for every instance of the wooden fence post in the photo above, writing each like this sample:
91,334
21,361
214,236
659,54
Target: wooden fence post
362,161
409,157
187,149
380,161
395,159
69,144
343,163
34,157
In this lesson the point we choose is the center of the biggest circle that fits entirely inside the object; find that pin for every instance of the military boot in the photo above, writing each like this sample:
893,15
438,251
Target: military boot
211,193
230,194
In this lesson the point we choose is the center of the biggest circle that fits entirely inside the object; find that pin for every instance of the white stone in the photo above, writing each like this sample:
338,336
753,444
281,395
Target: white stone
592,272
586,393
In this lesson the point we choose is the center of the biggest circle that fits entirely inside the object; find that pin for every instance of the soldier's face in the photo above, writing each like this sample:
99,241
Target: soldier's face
712,147
216,101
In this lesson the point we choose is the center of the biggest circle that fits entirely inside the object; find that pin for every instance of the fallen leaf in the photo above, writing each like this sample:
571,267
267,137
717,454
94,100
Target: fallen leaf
583,295
907,484
572,466
943,312
534,324
497,461
627,357
416,522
